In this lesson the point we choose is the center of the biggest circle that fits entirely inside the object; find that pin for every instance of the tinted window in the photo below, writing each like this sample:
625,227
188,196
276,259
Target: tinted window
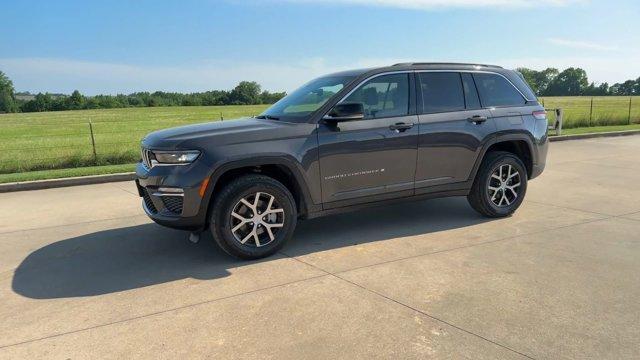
497,91
470,94
383,96
441,92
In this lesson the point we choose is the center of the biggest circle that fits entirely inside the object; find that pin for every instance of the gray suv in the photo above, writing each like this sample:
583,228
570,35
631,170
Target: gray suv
346,141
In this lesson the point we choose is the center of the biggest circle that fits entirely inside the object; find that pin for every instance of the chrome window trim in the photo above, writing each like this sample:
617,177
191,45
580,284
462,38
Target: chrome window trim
482,72
424,71
370,78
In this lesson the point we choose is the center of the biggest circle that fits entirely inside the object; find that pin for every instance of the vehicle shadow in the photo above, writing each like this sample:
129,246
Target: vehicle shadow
133,257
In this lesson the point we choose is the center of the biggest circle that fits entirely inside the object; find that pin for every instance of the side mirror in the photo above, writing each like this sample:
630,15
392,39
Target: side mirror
345,112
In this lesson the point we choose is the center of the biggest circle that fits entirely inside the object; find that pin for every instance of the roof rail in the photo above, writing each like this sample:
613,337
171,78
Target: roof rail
445,63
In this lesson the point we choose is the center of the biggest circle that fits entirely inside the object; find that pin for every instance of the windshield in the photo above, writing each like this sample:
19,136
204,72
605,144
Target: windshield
307,99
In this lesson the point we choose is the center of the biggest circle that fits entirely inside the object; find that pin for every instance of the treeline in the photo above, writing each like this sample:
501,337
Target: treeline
548,82
245,93
574,82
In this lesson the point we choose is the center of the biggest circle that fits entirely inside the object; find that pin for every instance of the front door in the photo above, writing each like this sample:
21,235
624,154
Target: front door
375,157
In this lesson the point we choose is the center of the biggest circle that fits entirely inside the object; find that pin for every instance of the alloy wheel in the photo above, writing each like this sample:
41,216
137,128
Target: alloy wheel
504,185
256,219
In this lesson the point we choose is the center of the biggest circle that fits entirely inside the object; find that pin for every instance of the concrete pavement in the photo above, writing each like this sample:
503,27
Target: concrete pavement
84,274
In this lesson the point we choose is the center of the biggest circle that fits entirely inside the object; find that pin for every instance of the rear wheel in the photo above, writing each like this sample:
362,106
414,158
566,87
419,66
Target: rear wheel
500,185
253,217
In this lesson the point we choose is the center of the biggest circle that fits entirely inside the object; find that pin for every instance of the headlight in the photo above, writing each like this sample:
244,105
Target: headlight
175,157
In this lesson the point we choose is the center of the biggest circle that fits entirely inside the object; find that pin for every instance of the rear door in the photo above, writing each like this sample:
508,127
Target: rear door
453,127
375,157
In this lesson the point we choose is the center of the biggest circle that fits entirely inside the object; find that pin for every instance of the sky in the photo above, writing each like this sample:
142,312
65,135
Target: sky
109,47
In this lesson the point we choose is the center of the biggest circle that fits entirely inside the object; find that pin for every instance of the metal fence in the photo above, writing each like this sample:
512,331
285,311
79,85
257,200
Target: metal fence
75,140
44,146
584,111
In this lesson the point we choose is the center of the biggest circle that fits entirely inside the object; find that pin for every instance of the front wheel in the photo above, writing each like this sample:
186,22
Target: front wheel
500,185
253,217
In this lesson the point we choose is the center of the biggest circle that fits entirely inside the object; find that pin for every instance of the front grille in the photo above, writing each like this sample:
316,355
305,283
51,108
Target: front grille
147,201
173,204
146,157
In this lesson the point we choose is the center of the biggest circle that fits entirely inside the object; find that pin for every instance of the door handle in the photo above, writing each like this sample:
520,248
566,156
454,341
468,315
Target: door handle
400,127
477,119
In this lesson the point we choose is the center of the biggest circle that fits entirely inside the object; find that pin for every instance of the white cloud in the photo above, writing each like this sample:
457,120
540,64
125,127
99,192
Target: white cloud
440,4
582,45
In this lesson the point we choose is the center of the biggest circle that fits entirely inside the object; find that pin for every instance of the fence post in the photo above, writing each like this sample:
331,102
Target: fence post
221,117
629,119
591,111
93,143
559,115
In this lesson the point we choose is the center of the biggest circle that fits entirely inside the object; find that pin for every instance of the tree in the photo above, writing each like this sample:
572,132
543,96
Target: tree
246,93
271,98
593,90
570,82
626,88
7,95
75,101
539,80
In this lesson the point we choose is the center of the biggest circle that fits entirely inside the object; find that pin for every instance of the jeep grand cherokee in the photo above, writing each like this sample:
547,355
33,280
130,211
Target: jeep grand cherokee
345,141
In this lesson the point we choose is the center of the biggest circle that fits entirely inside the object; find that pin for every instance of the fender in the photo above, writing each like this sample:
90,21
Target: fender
495,139
285,160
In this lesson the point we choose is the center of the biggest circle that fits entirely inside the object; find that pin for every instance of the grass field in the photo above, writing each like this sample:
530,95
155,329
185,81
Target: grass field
55,140
607,110
33,142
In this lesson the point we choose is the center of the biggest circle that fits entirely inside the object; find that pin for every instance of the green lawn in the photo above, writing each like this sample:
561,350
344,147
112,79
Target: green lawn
113,169
58,144
61,139
65,173
607,110
599,129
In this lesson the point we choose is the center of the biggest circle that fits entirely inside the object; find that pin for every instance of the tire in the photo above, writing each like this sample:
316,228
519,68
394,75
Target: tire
484,200
263,235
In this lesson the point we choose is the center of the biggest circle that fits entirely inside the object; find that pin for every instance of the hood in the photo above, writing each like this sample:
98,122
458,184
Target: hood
225,132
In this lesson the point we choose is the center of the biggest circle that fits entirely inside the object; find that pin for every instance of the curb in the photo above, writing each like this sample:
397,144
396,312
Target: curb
99,179
594,135
64,182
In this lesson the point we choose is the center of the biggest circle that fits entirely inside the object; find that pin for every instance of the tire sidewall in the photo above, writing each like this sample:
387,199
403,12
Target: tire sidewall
222,221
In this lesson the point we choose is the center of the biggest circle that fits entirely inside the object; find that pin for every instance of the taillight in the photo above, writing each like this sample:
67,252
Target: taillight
540,115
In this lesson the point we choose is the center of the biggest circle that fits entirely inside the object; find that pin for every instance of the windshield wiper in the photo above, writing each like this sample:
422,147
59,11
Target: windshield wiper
270,117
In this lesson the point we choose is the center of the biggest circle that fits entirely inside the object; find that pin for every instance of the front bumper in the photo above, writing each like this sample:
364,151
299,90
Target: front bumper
171,195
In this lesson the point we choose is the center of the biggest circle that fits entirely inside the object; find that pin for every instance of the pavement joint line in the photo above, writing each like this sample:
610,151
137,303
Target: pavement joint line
594,159
608,216
123,189
471,245
72,224
161,312
570,208
397,302
588,162
582,175
434,317
628,218
336,274
326,273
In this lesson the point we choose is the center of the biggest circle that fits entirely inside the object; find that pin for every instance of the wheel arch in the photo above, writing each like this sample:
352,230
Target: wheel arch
278,167
518,144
